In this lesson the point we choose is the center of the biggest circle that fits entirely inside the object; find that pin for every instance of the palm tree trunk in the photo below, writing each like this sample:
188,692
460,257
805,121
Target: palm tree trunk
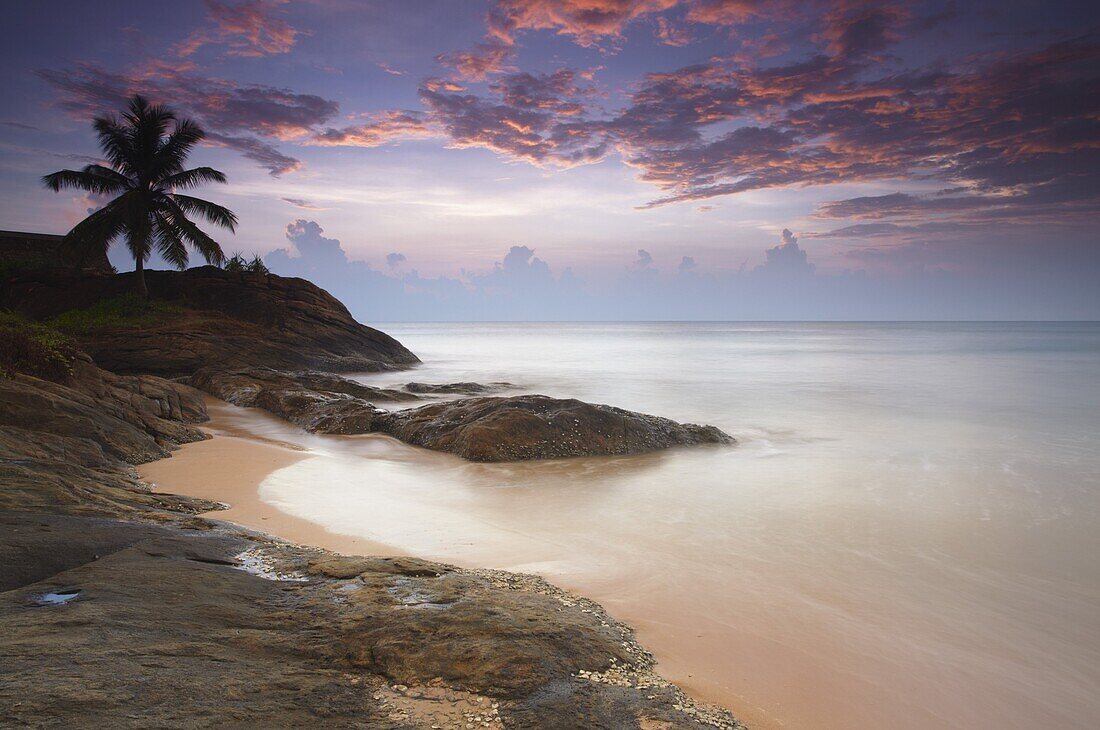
139,269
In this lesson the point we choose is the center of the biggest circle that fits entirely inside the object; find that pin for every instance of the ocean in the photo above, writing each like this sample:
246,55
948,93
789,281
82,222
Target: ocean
906,536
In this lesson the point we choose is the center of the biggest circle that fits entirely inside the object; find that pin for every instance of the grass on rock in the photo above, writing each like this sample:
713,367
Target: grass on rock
129,310
34,349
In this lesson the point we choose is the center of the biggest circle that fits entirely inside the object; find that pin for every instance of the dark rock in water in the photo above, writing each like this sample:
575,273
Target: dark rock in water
538,427
226,319
517,428
455,388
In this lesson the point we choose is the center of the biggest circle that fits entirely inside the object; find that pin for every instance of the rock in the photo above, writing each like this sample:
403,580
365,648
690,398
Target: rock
455,388
516,428
241,386
127,419
538,427
68,446
317,402
226,319
230,647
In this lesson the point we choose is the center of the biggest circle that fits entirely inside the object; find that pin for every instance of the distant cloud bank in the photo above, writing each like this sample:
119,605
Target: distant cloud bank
523,287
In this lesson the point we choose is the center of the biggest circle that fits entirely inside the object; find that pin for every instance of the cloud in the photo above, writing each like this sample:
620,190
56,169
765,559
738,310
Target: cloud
786,259
671,34
303,204
585,21
391,71
383,128
248,29
644,260
262,153
485,60
243,117
531,117
394,260
1000,278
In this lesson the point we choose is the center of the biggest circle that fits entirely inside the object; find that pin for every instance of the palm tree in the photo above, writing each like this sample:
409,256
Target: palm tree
146,150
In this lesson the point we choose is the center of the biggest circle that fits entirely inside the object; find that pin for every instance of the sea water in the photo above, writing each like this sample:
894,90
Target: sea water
906,536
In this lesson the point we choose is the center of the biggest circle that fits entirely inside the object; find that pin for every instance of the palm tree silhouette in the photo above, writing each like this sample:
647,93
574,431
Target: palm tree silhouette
146,150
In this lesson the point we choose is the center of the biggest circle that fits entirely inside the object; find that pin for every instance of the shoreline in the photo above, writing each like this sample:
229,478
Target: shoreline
197,470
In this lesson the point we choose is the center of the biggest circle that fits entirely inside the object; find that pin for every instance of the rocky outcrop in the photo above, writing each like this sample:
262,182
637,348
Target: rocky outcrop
455,388
316,402
515,428
224,319
527,427
120,624
69,445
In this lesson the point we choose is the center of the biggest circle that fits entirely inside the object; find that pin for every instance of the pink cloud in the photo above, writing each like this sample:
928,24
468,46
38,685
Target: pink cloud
248,29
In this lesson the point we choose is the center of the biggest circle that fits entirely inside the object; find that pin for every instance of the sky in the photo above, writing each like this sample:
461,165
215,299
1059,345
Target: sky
603,159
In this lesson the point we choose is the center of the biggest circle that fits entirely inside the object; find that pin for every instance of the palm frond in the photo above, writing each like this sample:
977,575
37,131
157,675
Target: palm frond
139,236
214,213
173,153
94,234
203,243
194,177
93,182
116,144
169,241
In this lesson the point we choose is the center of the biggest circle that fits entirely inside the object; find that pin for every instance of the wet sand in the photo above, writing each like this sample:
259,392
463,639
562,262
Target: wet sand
229,468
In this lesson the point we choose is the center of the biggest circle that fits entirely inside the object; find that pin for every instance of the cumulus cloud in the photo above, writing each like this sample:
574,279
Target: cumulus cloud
643,260
922,280
394,260
786,259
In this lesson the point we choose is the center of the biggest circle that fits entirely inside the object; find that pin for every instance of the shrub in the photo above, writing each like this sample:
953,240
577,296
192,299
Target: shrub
34,349
128,310
257,266
235,263
238,264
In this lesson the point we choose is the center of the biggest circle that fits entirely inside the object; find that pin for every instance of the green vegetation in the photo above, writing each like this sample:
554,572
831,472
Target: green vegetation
146,150
34,349
129,310
237,263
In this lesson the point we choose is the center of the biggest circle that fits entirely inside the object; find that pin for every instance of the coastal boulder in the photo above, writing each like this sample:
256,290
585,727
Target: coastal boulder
455,388
528,427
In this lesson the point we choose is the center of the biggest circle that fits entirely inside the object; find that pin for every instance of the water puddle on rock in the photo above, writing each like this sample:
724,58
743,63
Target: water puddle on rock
57,598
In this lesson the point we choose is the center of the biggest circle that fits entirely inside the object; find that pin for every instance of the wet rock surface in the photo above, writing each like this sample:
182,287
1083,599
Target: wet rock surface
170,627
69,446
456,388
538,427
228,319
489,428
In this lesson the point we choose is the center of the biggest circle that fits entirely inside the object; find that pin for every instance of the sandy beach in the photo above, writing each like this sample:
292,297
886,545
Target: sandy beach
229,468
